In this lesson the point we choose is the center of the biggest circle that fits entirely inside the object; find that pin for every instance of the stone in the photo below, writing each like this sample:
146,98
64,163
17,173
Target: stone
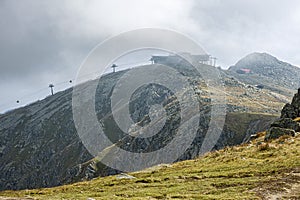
288,111
287,123
297,119
276,132
124,176
292,110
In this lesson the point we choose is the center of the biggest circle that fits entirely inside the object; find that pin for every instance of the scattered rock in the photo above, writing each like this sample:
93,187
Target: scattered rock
124,176
253,136
297,119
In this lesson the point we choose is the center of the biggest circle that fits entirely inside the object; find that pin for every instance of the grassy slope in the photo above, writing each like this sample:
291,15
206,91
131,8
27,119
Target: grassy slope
249,171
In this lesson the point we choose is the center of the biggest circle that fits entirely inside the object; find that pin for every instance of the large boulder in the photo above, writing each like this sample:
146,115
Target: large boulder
276,132
287,123
292,110
289,111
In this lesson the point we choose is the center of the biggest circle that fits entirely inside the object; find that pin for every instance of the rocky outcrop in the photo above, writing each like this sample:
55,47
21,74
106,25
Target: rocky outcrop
287,124
276,132
292,110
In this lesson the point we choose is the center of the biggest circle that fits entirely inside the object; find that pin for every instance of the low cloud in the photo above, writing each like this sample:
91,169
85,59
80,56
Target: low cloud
46,41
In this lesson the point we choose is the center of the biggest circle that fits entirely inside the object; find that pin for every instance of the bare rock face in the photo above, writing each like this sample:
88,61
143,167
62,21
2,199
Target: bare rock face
292,110
287,124
276,132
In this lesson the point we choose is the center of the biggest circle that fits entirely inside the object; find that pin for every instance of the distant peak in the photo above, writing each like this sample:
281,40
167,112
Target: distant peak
259,55
257,58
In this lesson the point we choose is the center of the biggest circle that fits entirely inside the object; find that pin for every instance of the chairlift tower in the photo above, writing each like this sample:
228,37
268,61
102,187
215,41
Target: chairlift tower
114,67
51,86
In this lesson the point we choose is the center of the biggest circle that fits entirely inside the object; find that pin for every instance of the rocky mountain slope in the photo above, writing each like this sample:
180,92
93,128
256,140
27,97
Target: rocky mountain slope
256,170
267,71
39,145
263,168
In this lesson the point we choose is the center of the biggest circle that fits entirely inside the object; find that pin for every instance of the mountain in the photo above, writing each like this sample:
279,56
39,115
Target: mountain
39,145
256,170
266,167
267,71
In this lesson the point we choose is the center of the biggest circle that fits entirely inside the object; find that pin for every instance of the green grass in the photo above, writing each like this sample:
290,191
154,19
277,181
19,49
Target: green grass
242,172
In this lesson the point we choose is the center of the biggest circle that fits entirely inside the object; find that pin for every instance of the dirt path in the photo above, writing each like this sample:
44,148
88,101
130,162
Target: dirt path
292,193
286,187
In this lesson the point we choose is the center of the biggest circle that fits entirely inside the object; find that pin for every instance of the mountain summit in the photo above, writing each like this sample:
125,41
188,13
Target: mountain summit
257,60
257,68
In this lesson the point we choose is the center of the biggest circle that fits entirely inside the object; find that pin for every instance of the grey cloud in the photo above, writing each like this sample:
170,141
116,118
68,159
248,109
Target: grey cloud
46,41
235,28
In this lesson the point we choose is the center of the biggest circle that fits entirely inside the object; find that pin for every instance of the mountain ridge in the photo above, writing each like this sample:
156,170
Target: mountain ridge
42,138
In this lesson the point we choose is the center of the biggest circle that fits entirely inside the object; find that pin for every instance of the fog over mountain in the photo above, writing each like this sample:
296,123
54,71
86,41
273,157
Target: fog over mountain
45,42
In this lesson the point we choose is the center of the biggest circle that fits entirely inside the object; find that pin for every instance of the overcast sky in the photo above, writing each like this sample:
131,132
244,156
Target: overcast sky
44,42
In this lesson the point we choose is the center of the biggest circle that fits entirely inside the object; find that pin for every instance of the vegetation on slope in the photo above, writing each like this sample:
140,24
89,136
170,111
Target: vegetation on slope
257,170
